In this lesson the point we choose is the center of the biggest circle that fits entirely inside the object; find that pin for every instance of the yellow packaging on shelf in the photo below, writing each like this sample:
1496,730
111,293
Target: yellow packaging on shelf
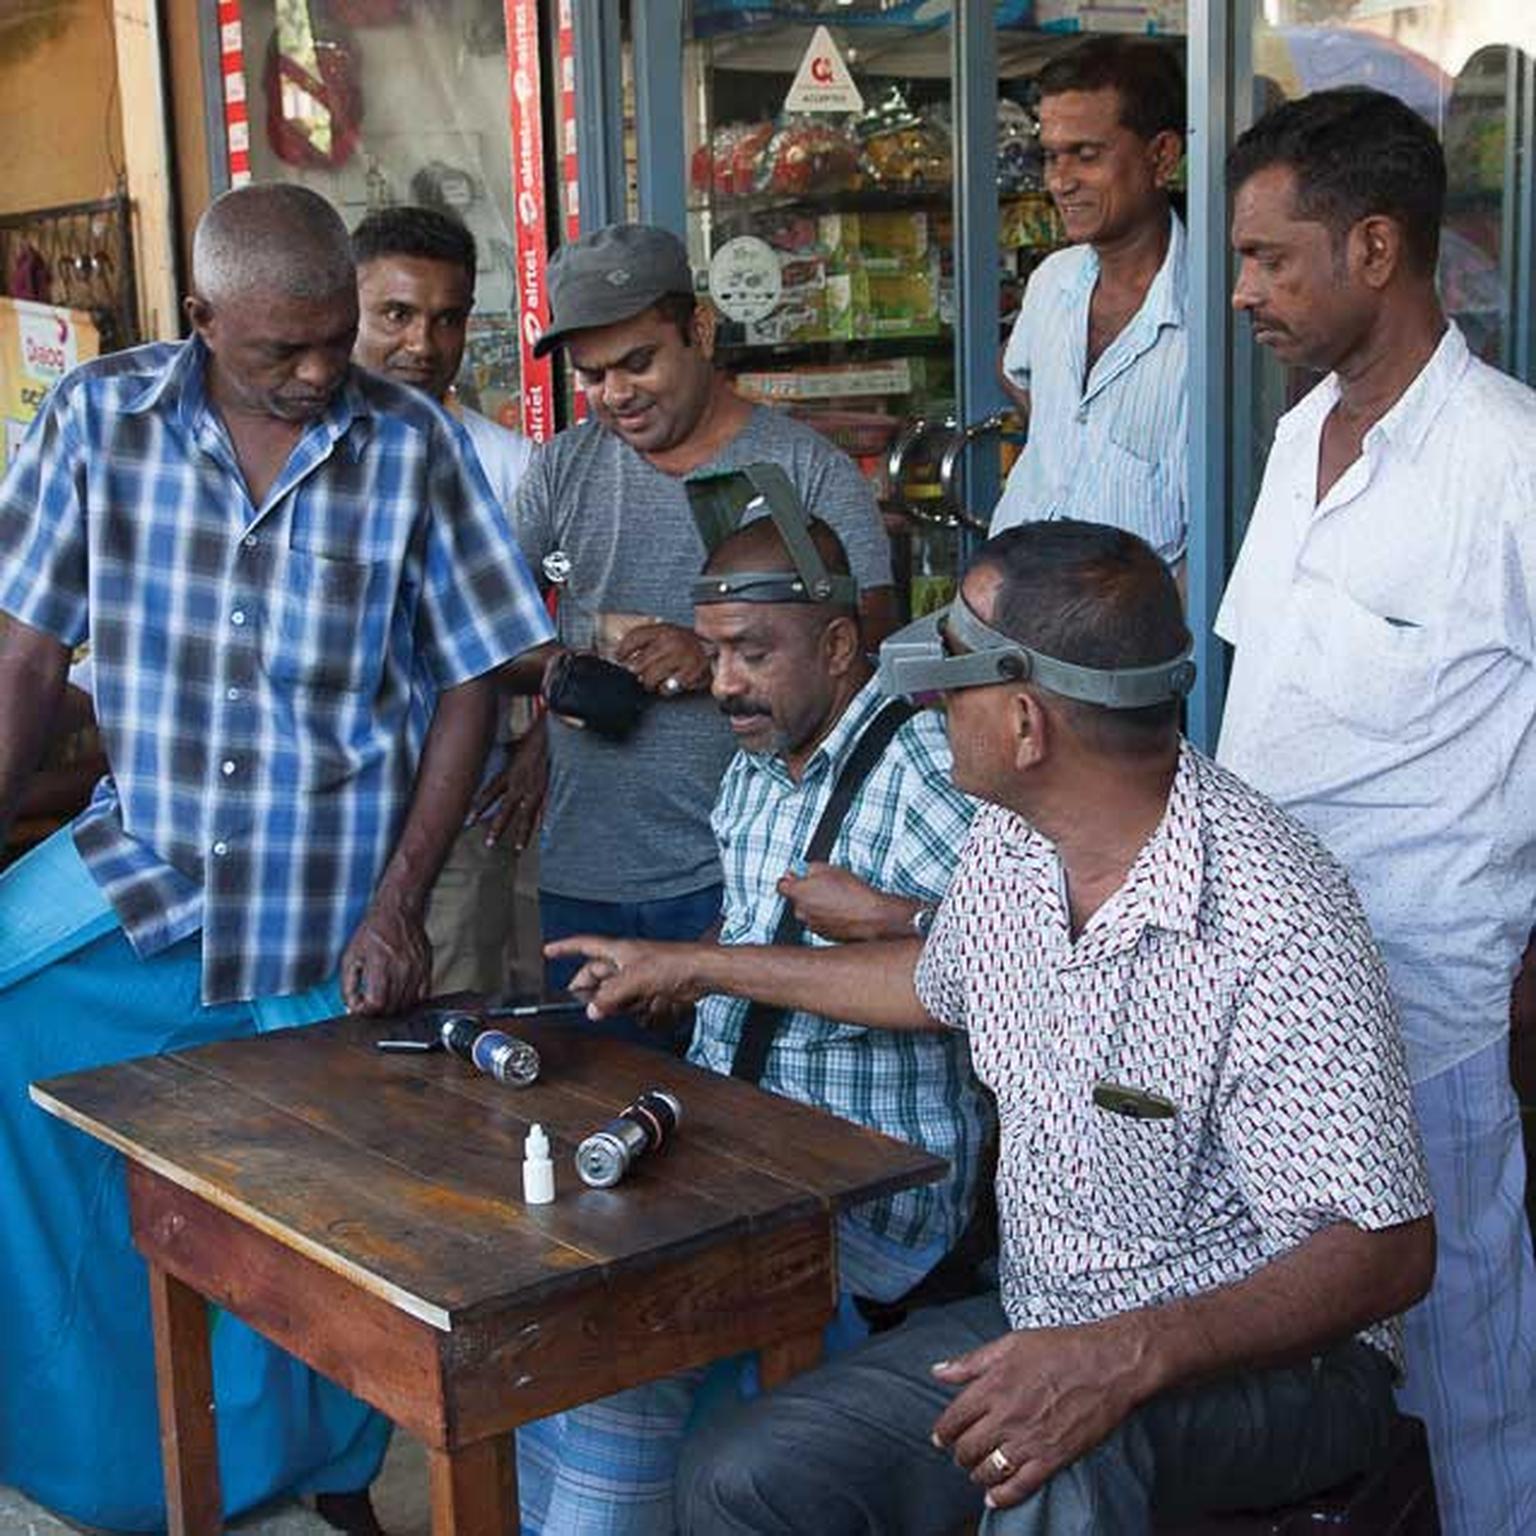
903,304
1030,220
900,236
39,344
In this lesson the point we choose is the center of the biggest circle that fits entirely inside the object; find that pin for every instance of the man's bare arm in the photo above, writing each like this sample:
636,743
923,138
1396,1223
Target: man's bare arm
33,666
1325,1289
1047,1396
856,983
525,674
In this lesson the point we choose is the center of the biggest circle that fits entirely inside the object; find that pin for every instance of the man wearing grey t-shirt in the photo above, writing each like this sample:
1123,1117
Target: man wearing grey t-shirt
603,513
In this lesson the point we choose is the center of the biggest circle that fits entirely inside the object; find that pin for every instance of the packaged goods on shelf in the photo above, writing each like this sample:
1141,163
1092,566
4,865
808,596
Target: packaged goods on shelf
868,305
902,148
1137,16
799,317
1030,220
889,149
880,242
1020,161
727,165
836,381
857,433
716,18
865,436
809,155
847,277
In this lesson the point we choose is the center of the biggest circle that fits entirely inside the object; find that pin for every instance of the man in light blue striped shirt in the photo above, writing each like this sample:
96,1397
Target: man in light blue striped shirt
1099,353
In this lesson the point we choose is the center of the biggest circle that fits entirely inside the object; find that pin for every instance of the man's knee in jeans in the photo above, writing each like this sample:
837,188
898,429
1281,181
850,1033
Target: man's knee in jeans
764,1466
720,1472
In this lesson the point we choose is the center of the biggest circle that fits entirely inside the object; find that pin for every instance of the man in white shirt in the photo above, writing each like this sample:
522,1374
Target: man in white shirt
1383,611
1099,353
416,288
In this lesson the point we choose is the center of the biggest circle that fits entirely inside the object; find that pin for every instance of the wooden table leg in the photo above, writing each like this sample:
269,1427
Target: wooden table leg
474,1489
184,1381
776,1363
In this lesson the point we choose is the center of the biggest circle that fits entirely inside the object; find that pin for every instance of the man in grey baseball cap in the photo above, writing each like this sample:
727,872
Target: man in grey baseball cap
610,276
604,514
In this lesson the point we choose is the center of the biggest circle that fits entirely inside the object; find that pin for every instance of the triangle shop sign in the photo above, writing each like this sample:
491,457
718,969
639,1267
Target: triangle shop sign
823,83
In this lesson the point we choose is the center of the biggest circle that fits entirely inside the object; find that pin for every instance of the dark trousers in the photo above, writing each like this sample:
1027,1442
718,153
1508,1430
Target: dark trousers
845,1450
673,918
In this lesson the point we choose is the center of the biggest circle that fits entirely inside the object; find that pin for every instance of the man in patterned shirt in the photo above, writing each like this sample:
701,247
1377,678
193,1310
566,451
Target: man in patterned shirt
1210,1186
274,556
792,678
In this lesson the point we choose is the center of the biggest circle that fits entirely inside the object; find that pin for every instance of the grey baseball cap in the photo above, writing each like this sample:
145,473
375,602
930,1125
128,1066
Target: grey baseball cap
611,275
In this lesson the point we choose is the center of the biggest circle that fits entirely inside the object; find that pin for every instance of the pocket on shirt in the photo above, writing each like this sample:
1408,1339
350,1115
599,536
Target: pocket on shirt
1135,1183
1137,494
326,623
1374,675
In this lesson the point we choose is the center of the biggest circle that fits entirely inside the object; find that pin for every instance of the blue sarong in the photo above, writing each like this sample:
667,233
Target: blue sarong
79,1425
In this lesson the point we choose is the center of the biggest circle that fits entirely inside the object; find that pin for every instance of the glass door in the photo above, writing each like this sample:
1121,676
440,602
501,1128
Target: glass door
820,153
375,102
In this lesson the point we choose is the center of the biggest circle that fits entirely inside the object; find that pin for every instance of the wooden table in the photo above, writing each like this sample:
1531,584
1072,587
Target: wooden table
364,1210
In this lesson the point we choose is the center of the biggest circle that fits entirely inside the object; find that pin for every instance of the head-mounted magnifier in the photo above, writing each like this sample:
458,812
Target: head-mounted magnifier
722,502
914,661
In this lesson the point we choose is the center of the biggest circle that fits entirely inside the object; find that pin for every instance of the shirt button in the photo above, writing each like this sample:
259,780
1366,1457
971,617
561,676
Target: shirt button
220,849
251,541
227,767
1082,413
237,618
232,694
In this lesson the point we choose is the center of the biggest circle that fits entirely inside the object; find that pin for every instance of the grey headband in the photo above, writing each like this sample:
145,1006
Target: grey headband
914,661
721,504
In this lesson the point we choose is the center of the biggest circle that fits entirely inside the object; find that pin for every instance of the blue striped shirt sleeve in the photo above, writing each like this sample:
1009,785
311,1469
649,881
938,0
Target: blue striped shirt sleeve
42,527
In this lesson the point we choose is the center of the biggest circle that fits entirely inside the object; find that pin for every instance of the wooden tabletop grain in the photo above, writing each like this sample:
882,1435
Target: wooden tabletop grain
402,1173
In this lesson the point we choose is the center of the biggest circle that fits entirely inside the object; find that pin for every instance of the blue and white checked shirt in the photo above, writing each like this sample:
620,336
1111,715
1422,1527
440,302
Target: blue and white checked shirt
263,675
902,834
1116,449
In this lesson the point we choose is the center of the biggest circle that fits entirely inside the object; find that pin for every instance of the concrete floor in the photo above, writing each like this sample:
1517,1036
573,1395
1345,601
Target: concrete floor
399,1496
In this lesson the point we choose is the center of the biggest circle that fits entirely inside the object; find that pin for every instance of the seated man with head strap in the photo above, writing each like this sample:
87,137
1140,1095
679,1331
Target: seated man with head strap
1210,1188
853,791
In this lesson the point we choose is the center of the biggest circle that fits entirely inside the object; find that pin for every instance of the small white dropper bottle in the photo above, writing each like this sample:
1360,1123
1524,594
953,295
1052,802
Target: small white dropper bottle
538,1170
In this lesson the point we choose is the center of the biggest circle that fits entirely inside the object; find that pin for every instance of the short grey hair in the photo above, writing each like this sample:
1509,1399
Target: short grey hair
271,239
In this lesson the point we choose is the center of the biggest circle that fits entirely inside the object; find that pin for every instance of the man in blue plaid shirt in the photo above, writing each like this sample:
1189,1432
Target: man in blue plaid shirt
296,583
793,680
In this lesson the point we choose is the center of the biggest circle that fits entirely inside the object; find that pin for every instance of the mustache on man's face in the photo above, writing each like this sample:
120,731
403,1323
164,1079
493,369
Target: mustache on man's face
739,707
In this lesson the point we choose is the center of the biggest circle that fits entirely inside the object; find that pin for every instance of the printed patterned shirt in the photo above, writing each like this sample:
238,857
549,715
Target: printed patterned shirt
902,834
1232,974
262,675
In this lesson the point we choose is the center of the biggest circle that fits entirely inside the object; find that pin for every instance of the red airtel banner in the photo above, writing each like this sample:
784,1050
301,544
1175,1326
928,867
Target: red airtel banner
237,122
565,53
529,214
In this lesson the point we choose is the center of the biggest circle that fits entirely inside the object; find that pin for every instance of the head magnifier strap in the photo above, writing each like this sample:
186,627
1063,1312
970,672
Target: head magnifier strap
918,663
810,582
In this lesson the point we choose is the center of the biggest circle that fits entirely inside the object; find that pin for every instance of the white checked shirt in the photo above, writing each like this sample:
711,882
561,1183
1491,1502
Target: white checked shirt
902,834
1113,449
1384,685
263,676
1233,974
